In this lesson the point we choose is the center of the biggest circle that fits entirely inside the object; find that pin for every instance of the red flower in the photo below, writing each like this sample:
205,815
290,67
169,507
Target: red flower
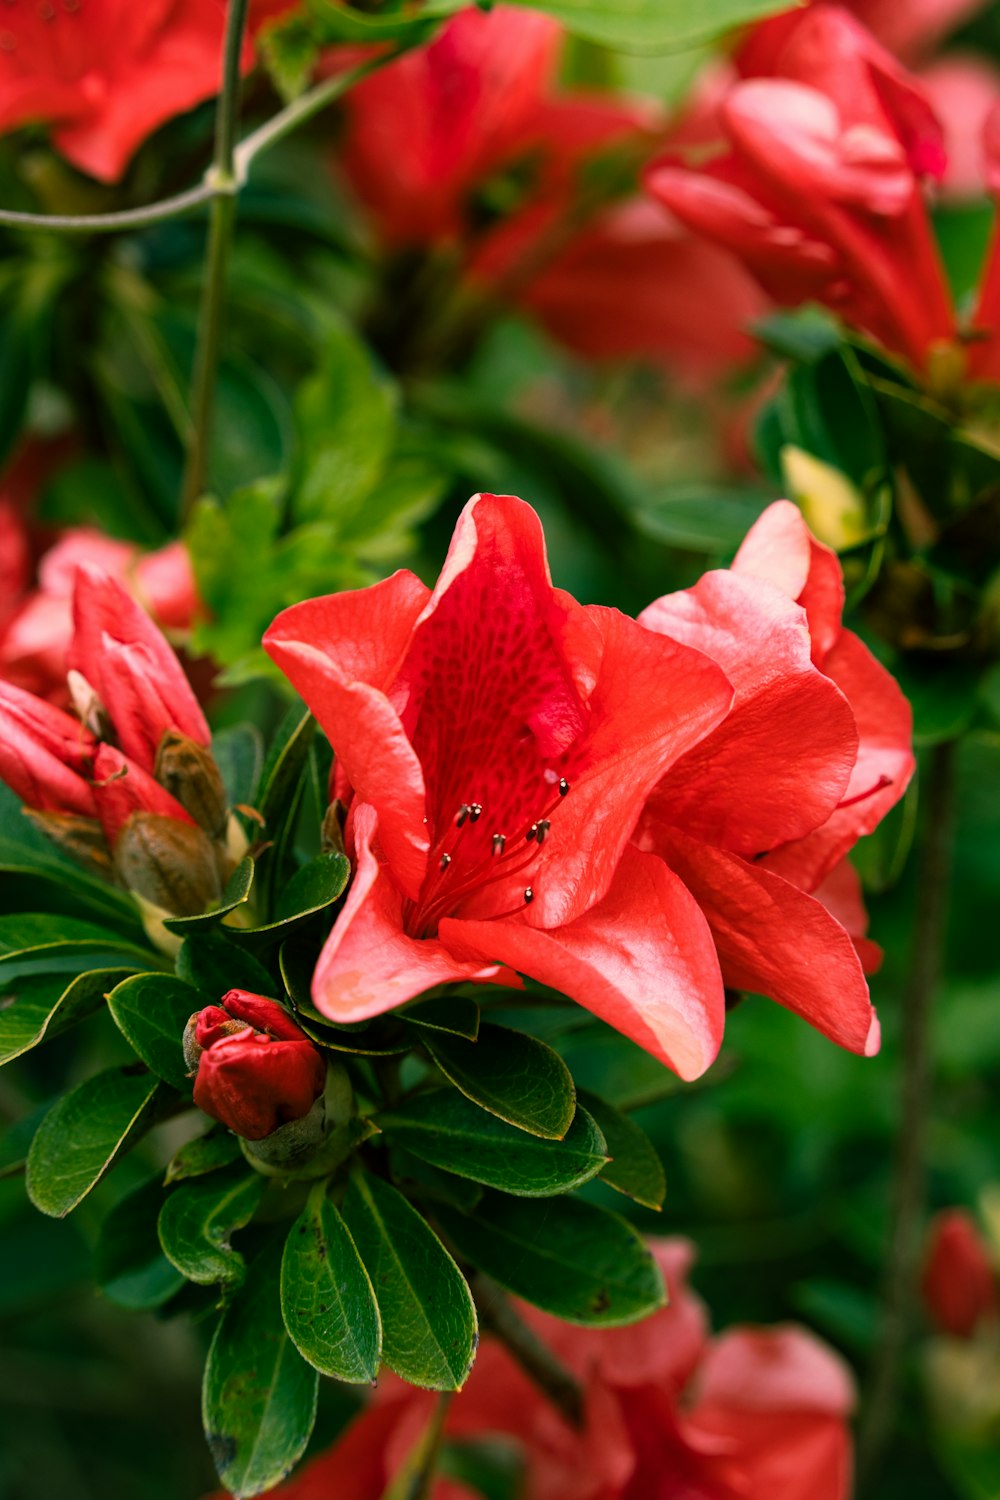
106,73
984,353
45,756
758,817
819,194
959,1280
256,1069
125,660
501,740
911,31
671,1414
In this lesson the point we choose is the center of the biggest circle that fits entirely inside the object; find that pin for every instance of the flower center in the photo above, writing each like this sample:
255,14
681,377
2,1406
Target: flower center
470,857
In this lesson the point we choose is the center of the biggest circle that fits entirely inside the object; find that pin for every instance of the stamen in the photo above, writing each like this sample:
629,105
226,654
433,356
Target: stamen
499,839
532,833
529,895
445,861
563,786
463,813
543,827
879,786
475,811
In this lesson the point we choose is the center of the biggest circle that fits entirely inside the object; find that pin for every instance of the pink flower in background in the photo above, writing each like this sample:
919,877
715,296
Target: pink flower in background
819,193
963,89
671,1414
757,819
501,740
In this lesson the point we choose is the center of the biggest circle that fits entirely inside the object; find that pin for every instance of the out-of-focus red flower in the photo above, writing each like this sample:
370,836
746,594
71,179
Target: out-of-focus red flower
45,755
959,1281
984,351
911,30
963,89
256,1070
757,818
501,740
753,1414
104,74
819,193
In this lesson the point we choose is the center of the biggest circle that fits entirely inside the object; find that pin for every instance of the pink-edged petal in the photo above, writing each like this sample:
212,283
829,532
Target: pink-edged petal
342,653
780,549
369,964
45,754
881,773
775,940
642,959
843,898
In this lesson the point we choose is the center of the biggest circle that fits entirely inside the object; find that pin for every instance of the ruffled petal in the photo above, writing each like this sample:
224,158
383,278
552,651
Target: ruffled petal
642,959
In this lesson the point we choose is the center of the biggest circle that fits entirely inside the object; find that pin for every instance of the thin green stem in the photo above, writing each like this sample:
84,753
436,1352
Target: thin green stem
222,179
531,1353
112,223
415,1480
909,1187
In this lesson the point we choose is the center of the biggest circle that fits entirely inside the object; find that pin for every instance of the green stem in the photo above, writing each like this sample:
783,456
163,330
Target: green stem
416,1478
909,1188
523,1344
222,179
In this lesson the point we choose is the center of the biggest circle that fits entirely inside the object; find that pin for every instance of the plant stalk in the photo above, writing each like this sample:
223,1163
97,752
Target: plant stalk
222,180
534,1357
909,1188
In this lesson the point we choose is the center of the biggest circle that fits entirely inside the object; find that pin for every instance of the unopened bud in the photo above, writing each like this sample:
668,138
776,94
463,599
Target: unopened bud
188,772
90,710
81,838
169,863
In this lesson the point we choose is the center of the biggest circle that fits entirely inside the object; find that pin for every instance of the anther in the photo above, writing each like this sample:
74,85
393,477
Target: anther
463,813
563,786
499,839
532,833
445,861
475,811
529,895
543,828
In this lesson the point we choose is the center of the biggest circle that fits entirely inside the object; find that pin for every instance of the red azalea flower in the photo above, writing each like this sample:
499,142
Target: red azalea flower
819,194
256,1070
910,30
106,73
759,1413
984,352
501,740
959,1279
45,755
758,817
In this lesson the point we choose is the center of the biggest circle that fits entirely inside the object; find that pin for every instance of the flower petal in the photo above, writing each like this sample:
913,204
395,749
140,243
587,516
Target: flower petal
642,959
369,965
775,940
342,653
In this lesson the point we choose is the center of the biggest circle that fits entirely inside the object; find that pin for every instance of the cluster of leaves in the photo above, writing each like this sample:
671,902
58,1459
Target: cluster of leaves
445,1126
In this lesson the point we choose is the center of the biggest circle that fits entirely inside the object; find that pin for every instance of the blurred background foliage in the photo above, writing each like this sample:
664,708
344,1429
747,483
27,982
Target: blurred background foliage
359,406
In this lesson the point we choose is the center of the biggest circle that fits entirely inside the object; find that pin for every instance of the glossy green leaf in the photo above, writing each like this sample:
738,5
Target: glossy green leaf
206,1153
569,1258
514,1076
634,1168
45,1005
615,1067
702,518
236,893
198,1217
239,754
429,1328
129,1265
33,943
451,1132
456,1015
327,1300
310,890
85,1133
34,882
652,25
259,1394
214,964
151,1011
278,797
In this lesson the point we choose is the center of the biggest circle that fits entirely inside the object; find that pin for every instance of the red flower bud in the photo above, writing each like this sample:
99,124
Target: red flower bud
959,1283
256,1069
44,754
122,788
133,670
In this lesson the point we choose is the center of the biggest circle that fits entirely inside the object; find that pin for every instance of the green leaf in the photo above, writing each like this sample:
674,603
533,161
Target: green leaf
615,1067
327,1300
335,22
347,422
236,893
239,754
151,1012
46,1005
429,1328
129,1266
198,1217
259,1394
206,1153
634,1168
652,25
311,889
701,517
85,1133
31,881
514,1076
450,1132
571,1259
214,964
278,796
458,1015
34,943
